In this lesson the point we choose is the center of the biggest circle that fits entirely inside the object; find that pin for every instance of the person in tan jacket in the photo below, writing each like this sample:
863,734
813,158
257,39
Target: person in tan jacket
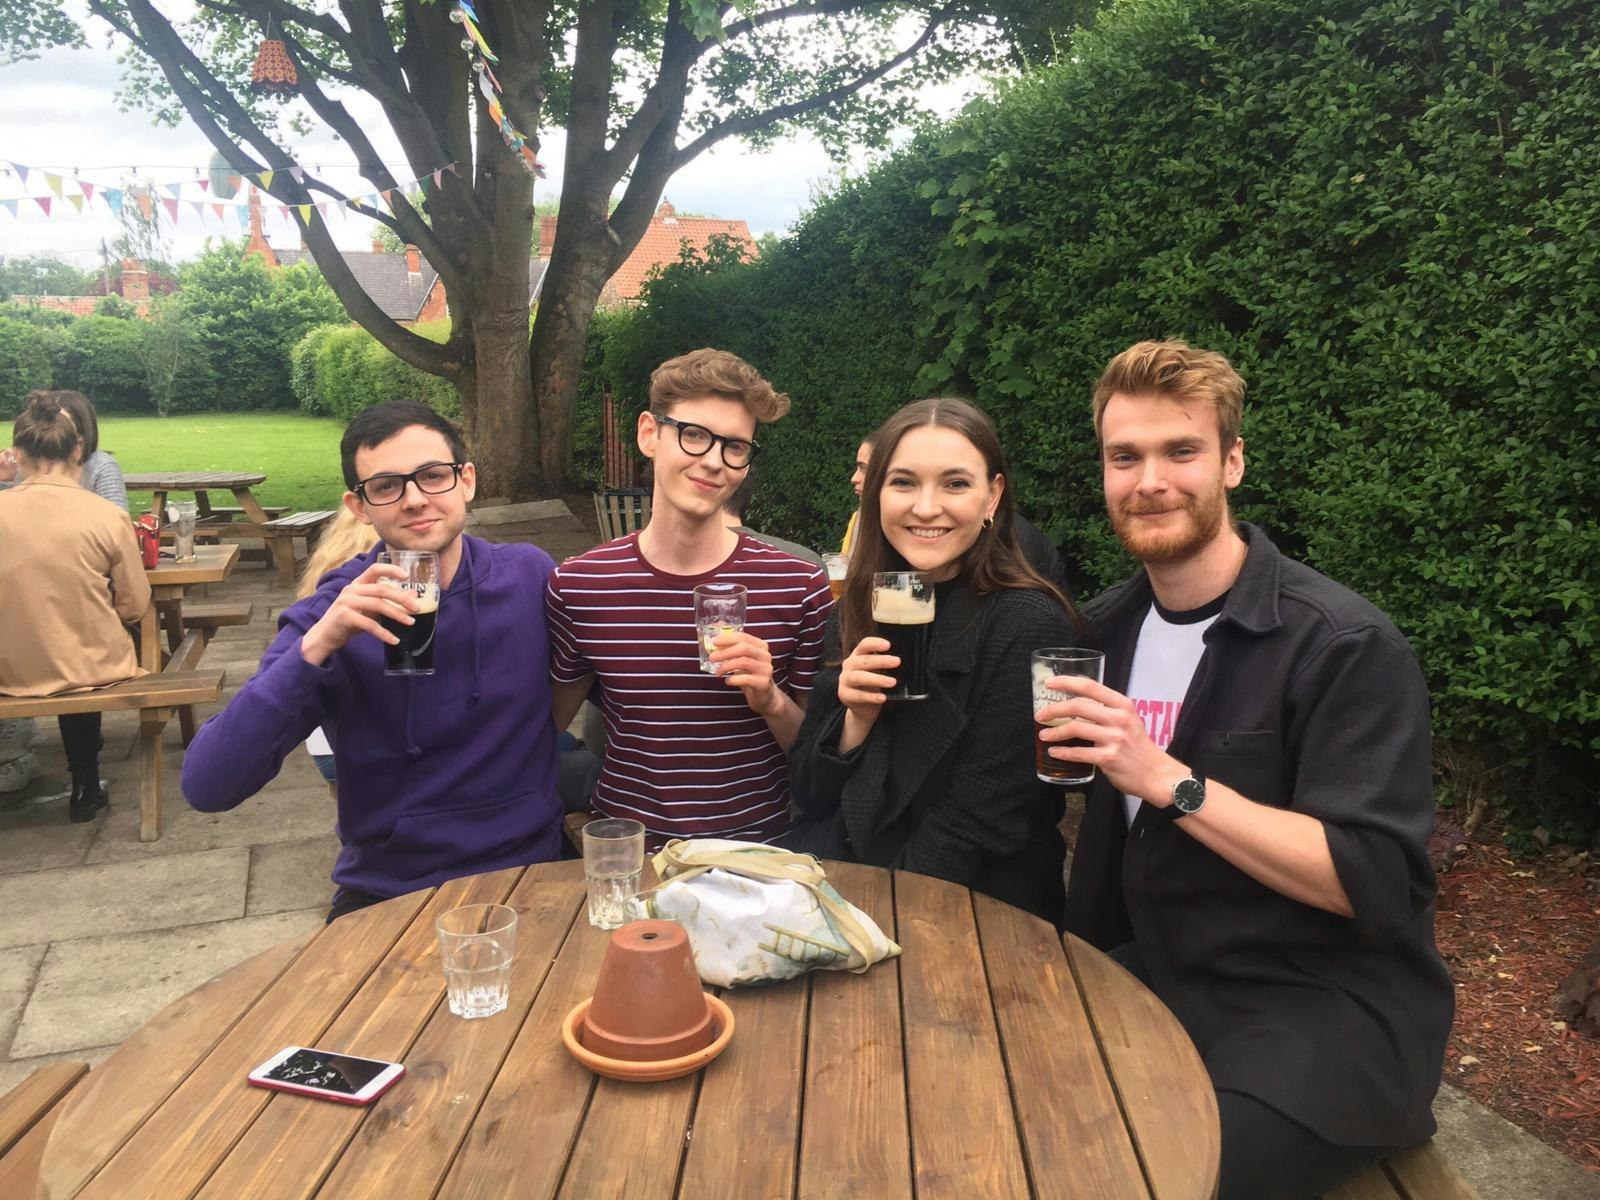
71,580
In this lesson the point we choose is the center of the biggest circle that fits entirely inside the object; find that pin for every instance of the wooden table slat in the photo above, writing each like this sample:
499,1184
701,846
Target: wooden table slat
117,1097
632,1141
175,1151
855,1132
382,1021
963,1127
1165,1093
1072,1126
406,1146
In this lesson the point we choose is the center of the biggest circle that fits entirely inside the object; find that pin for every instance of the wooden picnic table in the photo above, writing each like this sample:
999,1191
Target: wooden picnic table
169,581
201,483
988,1061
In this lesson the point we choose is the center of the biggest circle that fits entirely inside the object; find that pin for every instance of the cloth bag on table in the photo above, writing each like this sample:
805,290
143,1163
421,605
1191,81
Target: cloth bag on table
758,914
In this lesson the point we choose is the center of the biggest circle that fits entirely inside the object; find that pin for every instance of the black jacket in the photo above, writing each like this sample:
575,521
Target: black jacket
1306,698
945,786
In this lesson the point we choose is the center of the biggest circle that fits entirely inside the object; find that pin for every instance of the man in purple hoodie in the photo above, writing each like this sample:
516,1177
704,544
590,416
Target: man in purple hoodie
442,775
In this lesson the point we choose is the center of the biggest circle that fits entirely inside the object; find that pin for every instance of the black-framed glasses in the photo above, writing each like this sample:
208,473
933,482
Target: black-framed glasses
698,440
433,479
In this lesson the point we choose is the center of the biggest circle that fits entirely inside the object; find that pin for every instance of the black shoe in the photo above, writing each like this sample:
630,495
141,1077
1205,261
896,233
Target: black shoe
87,801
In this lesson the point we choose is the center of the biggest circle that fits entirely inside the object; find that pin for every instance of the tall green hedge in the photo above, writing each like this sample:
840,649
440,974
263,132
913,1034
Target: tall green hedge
339,370
1385,213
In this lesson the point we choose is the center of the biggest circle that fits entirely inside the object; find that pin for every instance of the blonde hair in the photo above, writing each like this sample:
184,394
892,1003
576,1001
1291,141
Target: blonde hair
1175,370
714,373
347,537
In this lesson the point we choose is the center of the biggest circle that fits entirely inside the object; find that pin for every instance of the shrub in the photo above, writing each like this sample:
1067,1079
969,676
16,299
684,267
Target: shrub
102,358
26,351
339,370
1381,210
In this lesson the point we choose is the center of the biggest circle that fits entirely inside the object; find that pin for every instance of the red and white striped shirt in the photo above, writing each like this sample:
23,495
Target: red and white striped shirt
685,753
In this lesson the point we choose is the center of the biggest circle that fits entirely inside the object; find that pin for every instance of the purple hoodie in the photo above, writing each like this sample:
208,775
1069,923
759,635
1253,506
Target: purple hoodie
441,775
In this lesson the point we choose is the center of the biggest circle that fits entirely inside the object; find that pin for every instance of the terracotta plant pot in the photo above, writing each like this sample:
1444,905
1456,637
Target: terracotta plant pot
648,1004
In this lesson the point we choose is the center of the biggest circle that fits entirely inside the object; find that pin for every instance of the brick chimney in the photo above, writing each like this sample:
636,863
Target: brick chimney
258,239
666,214
377,246
413,261
135,281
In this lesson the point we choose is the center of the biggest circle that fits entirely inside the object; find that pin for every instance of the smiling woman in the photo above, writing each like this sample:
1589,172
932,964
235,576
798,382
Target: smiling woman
944,785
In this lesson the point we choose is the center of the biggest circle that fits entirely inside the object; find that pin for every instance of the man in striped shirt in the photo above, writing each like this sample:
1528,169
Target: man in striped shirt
688,753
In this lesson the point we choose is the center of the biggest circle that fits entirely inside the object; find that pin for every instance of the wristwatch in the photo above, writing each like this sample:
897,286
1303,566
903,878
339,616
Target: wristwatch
1188,795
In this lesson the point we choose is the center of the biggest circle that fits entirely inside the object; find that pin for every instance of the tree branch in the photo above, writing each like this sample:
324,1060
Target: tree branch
783,112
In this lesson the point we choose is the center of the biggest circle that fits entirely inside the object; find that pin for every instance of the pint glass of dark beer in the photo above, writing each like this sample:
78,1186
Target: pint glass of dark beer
414,654
902,609
1048,663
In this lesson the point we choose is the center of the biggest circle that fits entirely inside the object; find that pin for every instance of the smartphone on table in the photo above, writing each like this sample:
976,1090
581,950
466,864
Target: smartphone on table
326,1075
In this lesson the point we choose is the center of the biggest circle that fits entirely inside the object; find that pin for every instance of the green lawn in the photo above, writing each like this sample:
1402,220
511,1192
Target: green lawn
299,455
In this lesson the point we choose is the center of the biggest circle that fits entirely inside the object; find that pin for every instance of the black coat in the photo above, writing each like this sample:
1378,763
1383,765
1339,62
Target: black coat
1306,698
945,786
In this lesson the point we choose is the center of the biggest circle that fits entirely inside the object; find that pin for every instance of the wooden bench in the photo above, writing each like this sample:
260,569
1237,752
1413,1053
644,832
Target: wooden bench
155,697
235,513
28,1113
1420,1173
621,512
280,535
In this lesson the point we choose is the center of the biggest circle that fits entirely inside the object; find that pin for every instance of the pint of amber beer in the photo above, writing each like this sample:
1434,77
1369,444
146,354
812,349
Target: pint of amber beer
1046,664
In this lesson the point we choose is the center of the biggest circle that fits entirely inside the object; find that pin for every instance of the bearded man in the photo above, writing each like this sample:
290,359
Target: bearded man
1254,845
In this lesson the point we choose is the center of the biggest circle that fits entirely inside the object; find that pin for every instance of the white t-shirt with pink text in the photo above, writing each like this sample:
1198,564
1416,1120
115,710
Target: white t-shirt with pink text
1169,649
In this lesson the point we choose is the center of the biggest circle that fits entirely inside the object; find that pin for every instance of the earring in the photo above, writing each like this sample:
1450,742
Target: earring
988,522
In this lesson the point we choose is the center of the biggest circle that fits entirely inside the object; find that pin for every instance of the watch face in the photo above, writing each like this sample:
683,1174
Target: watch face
1189,795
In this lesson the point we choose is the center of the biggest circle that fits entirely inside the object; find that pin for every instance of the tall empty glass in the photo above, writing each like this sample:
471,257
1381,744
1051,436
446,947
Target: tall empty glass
613,860
719,608
477,945
181,515
1046,665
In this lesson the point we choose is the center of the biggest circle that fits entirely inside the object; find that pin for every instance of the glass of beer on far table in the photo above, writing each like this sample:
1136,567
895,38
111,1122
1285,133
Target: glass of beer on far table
414,654
719,608
902,609
1047,664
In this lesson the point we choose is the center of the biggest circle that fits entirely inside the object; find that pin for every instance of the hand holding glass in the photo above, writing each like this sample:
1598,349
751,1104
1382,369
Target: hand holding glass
1046,665
613,860
477,944
902,609
719,608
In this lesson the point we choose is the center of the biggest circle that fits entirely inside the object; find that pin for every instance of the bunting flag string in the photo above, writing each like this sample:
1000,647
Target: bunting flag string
477,49
145,196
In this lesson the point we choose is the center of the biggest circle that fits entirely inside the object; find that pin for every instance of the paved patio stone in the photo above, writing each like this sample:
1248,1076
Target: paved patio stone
96,991
292,875
1502,1161
18,968
154,893
277,814
38,836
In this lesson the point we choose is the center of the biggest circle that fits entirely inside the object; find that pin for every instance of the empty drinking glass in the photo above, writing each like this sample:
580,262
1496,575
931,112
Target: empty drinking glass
613,859
477,944
181,515
719,608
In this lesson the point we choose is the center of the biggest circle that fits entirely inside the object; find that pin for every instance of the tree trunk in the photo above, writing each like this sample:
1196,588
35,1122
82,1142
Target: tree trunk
560,337
500,431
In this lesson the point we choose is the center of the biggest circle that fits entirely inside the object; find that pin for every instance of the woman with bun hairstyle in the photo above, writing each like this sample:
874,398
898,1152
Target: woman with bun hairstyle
98,471
942,786
73,581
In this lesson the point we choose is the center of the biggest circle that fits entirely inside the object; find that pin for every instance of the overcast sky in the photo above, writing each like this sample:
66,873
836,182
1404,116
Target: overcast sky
58,113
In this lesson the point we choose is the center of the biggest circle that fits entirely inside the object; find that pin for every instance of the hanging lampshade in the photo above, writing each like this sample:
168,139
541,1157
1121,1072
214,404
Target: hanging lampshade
273,73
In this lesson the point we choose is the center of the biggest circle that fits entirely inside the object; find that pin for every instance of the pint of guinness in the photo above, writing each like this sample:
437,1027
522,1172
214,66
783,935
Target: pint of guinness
414,653
902,609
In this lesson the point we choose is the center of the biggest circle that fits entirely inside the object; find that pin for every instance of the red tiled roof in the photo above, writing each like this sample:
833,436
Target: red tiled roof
78,306
661,244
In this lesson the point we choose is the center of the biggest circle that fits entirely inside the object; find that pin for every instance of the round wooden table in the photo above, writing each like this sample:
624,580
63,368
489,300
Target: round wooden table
988,1061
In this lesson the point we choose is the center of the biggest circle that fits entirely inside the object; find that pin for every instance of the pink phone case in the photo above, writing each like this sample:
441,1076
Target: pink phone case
319,1094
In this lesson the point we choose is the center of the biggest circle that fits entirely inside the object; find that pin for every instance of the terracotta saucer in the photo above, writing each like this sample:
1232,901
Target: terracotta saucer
648,1072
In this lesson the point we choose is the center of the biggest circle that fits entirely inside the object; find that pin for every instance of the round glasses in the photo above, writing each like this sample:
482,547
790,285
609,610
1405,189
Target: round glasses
697,440
433,479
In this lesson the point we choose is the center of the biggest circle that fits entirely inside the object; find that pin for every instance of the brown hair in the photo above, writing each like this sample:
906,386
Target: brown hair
83,416
714,373
347,537
992,563
45,431
1175,370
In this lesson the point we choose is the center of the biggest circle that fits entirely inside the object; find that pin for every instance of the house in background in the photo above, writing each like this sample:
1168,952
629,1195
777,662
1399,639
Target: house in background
135,284
661,245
